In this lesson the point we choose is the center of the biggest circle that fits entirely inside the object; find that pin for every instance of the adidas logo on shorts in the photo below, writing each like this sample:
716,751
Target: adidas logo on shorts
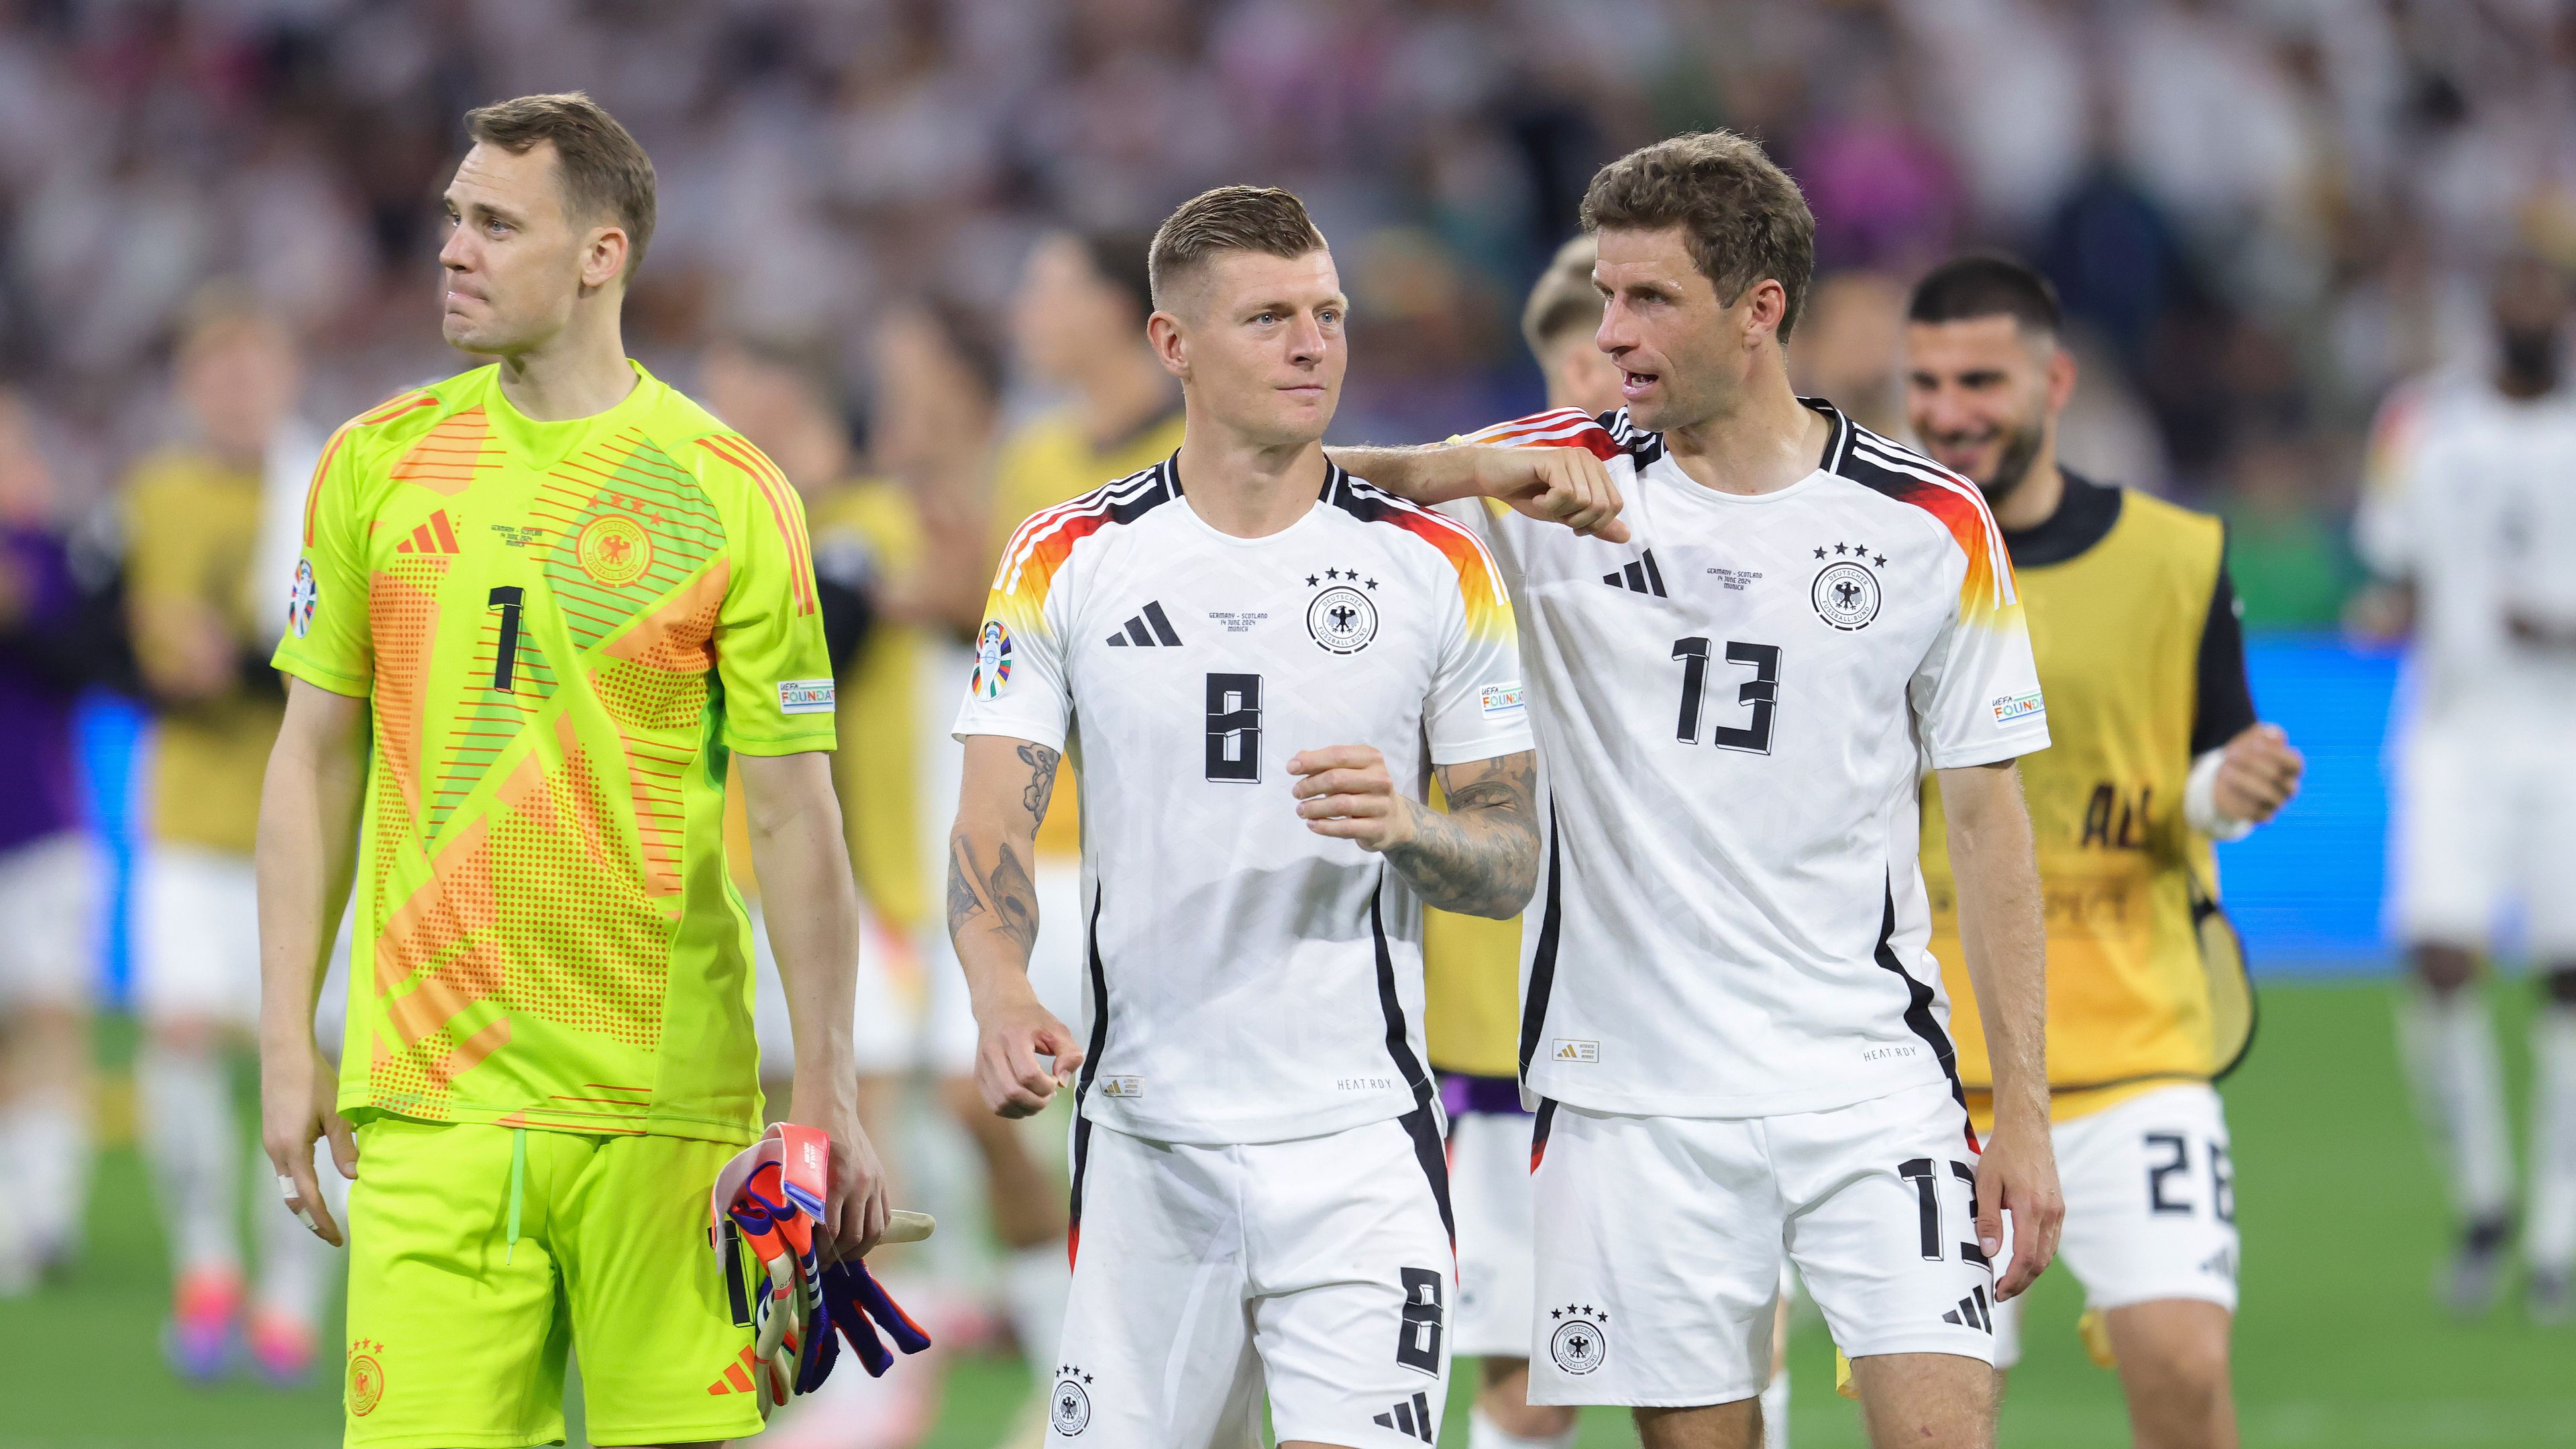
1972,1312
1410,1417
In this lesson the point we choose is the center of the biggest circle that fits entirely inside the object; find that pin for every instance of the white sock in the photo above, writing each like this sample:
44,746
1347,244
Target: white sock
1035,1284
1483,1433
1775,1411
47,1158
294,1265
192,1145
2451,1051
2550,1238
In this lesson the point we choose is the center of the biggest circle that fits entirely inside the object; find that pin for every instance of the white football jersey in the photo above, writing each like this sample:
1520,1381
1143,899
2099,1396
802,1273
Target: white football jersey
2471,496
1248,979
1734,709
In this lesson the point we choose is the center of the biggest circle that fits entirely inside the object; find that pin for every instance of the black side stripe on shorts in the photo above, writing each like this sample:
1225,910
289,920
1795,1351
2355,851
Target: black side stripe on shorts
1540,1126
1422,1124
1082,1084
1542,979
1918,1000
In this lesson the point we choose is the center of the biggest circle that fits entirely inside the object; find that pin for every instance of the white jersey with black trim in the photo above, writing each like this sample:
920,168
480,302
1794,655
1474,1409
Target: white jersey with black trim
2468,497
1248,979
1734,709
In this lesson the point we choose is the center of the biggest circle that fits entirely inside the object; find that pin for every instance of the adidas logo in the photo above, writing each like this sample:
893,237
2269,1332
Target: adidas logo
1412,1417
1972,1312
1148,629
1639,576
431,537
736,1378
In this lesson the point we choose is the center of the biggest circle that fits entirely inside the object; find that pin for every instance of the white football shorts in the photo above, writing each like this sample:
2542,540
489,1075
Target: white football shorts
2150,1206
197,936
1660,1239
48,918
1489,1184
1315,1273
885,1016
1056,965
2485,814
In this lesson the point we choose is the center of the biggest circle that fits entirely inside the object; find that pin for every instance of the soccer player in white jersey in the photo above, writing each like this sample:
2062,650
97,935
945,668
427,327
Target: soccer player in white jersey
1735,1034
1254,661
2469,515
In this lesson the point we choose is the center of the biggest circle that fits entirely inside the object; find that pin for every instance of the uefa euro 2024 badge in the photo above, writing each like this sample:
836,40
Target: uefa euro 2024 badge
300,600
992,661
1845,592
1342,618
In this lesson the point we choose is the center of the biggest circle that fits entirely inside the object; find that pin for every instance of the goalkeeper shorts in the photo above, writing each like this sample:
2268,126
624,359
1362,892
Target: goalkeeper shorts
458,1334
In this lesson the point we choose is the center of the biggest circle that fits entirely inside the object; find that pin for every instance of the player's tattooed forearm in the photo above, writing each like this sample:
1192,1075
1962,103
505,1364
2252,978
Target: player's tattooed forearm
963,904
1041,790
1005,892
1481,858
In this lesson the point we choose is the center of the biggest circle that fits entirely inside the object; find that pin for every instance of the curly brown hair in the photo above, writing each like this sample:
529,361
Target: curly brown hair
1740,214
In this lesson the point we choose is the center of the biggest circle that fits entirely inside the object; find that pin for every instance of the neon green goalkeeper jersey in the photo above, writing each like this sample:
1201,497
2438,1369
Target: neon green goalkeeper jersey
562,628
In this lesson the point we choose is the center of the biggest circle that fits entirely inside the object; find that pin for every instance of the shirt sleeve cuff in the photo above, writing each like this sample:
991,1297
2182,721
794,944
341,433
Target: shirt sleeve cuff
354,686
1993,751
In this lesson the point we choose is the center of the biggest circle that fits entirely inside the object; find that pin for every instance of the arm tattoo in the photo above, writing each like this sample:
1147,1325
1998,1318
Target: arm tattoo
1041,791
1013,897
1481,857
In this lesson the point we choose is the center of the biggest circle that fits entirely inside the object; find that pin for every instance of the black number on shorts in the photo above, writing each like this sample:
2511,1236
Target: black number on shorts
1761,693
1417,1343
1234,727
505,655
2222,1183
2157,1172
1927,1200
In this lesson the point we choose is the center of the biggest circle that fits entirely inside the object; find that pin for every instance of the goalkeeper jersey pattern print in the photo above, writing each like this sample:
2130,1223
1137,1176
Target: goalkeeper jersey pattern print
562,627
1247,979
1734,708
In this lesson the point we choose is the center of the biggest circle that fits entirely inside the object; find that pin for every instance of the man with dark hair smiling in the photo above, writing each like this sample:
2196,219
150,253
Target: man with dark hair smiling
2155,751
1736,1041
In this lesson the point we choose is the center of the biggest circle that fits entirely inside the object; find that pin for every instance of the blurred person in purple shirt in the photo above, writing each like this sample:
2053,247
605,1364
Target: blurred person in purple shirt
46,950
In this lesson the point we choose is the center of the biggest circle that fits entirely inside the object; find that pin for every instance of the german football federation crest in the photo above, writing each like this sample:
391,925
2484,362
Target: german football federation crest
1845,594
366,1377
301,598
992,661
1342,618
1069,1406
614,549
1578,1338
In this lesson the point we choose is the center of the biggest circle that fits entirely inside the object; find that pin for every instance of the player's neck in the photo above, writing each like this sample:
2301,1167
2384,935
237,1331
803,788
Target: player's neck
1245,489
2035,499
1762,443
1117,399
579,372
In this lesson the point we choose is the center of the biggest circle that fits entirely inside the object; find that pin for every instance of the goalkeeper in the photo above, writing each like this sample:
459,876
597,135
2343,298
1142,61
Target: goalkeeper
538,606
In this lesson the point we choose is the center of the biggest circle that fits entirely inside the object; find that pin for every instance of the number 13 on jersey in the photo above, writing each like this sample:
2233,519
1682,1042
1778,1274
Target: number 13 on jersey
1761,693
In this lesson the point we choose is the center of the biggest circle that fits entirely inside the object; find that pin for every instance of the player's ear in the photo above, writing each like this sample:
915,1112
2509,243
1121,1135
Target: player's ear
1163,334
1765,303
2061,377
603,260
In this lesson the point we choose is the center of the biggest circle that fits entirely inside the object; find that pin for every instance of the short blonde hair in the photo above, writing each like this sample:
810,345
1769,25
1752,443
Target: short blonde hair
1563,299
1228,219
605,173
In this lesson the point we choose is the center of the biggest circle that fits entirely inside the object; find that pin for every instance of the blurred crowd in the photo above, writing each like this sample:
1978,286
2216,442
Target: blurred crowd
2261,212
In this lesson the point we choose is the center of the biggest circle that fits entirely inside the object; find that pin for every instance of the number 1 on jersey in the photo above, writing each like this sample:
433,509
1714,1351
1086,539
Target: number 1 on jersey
1761,693
505,654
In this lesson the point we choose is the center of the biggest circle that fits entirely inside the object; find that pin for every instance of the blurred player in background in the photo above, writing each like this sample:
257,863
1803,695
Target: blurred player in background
1732,1026
203,623
2470,517
1259,1189
48,874
534,600
2154,751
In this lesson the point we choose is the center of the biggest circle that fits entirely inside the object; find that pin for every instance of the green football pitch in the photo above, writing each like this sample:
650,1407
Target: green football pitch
2340,1343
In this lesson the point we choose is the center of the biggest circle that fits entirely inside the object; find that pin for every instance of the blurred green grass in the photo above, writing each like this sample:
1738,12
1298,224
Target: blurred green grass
2339,1343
